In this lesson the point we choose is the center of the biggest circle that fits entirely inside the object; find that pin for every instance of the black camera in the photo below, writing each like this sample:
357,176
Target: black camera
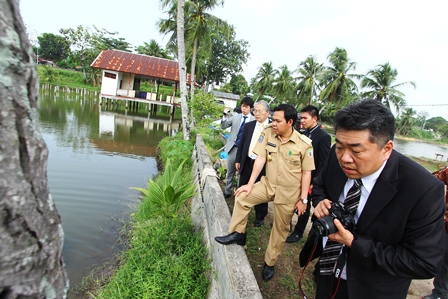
325,225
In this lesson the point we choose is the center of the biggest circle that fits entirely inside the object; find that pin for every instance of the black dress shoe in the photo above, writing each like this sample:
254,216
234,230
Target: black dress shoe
258,223
227,195
268,272
234,237
293,238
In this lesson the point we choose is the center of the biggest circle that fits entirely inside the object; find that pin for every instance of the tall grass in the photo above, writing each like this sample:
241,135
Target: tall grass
166,257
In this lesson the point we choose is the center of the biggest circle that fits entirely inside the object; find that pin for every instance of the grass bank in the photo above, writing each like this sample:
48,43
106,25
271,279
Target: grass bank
165,257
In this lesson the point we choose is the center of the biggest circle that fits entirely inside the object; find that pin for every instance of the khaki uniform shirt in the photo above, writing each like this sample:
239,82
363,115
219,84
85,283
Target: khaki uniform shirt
284,163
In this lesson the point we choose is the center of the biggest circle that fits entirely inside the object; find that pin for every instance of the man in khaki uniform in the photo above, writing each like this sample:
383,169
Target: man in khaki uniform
289,161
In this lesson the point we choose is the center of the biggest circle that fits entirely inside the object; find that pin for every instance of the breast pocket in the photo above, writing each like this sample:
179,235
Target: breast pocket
294,162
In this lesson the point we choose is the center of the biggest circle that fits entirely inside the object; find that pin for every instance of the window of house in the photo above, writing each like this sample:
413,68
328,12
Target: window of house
110,75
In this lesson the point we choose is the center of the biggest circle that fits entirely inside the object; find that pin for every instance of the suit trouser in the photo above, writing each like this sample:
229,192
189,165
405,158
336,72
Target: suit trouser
441,279
282,217
230,176
261,210
302,220
327,285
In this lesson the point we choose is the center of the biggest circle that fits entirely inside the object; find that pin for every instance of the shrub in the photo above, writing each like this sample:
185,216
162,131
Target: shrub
166,194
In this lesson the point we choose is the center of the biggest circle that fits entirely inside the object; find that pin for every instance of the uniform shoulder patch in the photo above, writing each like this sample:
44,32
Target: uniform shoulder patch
267,126
305,139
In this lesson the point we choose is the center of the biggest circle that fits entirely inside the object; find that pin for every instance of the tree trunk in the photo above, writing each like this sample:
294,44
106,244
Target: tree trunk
182,68
193,66
31,235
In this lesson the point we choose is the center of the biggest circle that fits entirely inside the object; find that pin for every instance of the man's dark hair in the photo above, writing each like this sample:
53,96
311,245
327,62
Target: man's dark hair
248,101
367,114
311,110
289,111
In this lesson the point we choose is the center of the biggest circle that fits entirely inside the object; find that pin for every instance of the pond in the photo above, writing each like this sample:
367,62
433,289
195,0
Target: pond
96,153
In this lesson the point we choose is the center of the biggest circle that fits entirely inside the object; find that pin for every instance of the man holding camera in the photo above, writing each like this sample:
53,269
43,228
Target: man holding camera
397,206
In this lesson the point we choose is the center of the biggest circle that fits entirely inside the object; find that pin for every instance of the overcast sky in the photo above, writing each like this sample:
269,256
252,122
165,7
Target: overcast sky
411,35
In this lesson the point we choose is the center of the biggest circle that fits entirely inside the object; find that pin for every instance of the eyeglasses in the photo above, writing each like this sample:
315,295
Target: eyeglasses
259,110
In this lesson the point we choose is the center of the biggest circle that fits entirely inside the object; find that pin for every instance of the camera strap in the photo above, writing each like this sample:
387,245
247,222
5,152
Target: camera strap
299,282
340,263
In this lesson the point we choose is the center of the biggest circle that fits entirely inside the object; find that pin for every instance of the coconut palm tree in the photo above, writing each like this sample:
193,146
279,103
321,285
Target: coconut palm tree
285,86
264,79
196,27
406,121
182,69
307,86
380,81
339,85
152,49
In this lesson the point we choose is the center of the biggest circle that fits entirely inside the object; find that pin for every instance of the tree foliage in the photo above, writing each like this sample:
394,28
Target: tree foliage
239,85
152,49
53,47
380,82
337,79
228,54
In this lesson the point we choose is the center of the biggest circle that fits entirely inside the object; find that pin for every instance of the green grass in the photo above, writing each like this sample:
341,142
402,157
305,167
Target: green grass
165,259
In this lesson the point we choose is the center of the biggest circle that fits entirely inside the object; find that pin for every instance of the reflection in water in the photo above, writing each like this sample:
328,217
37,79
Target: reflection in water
96,154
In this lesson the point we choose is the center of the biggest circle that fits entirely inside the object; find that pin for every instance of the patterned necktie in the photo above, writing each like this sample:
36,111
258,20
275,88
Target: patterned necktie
240,132
332,249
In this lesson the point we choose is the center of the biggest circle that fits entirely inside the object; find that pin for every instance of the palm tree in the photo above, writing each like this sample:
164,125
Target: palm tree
264,79
284,85
308,71
339,85
196,27
182,70
380,81
406,121
152,49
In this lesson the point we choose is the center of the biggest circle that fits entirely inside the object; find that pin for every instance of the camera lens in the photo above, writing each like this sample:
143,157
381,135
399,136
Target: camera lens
324,226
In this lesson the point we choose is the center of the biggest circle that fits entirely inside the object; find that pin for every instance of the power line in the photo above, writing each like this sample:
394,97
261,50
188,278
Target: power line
427,105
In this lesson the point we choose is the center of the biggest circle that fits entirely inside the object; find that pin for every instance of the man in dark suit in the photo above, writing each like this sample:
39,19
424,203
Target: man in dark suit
245,156
309,117
399,233
237,123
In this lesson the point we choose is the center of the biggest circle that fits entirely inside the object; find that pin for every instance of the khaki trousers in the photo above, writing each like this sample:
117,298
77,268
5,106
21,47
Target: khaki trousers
282,217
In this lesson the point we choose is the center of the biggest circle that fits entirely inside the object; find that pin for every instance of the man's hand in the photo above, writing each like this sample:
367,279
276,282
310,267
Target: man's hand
237,166
321,210
245,188
300,207
342,235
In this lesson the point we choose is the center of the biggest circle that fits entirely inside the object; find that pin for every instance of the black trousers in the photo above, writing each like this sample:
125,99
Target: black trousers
327,285
302,221
261,210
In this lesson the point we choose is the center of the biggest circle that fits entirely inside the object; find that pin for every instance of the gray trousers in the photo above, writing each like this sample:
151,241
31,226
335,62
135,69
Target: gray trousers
230,176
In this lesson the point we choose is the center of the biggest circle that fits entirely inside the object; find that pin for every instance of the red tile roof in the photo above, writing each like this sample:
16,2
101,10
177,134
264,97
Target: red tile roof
138,64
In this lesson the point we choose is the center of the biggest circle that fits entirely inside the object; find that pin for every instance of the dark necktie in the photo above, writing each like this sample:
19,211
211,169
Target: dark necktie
240,132
332,249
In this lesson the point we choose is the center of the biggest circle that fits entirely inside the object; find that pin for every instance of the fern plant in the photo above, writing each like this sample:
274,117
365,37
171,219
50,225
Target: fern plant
165,195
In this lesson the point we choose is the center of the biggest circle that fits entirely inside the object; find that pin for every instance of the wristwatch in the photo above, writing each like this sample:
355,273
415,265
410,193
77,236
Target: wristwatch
305,200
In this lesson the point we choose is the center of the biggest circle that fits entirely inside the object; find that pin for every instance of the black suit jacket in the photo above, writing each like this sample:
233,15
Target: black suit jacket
400,233
321,143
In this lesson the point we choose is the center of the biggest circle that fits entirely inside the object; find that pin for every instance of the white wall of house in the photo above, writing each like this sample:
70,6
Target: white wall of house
229,103
109,84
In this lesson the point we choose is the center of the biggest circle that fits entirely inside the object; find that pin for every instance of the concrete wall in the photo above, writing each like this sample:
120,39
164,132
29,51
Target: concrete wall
232,276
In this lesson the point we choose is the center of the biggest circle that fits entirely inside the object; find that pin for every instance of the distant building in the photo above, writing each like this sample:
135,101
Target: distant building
123,71
230,100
